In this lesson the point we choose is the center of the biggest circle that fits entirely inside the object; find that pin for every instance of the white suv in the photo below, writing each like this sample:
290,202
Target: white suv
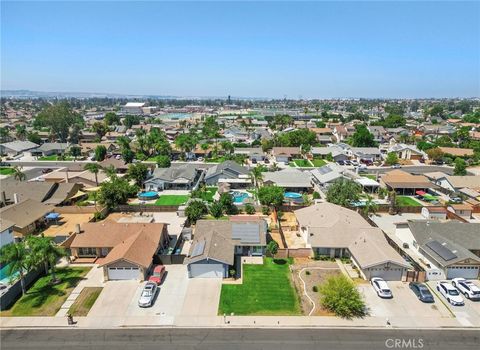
381,287
450,293
467,288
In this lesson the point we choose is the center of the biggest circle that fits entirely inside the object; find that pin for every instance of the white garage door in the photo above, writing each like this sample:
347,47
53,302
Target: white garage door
393,274
468,272
206,270
123,273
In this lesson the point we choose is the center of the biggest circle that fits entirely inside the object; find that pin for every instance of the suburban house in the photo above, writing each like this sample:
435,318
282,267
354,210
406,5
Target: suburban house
404,151
15,148
88,148
118,164
452,247
336,152
326,175
44,192
228,172
455,183
463,210
27,216
178,177
285,154
334,231
290,179
217,242
434,213
378,132
365,153
340,133
126,250
406,183
50,148
6,232
256,154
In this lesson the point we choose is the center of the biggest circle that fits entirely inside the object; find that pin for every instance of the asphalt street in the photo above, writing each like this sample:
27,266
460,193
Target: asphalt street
213,339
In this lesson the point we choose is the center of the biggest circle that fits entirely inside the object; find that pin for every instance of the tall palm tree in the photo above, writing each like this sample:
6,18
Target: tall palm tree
110,171
44,250
16,256
257,175
18,174
94,168
370,206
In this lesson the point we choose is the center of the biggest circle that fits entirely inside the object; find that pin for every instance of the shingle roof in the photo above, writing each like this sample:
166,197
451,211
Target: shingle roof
186,171
402,179
227,167
19,146
25,212
289,177
464,181
52,146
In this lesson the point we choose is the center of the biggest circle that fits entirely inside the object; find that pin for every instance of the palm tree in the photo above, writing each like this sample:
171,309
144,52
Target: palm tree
370,206
15,255
257,175
110,171
94,168
45,250
18,174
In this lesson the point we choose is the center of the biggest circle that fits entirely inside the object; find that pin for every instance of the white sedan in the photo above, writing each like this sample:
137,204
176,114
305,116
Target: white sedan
381,287
148,295
450,293
467,288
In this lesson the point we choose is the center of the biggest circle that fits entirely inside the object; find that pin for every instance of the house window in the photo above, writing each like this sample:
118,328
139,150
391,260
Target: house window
87,252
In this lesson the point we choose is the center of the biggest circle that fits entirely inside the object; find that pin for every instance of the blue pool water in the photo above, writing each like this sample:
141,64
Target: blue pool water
292,195
5,278
148,195
239,197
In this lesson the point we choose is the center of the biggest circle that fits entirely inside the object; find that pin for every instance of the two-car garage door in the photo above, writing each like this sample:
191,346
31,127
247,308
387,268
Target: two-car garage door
468,272
123,273
206,270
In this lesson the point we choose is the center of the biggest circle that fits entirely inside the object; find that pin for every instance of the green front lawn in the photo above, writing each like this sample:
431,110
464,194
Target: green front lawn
85,301
45,299
403,201
6,171
171,199
304,163
266,290
318,162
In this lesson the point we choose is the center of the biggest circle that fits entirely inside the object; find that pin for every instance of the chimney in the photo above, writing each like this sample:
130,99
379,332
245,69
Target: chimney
77,229
15,198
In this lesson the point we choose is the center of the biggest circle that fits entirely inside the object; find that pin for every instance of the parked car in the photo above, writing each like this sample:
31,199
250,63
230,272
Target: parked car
381,287
467,288
347,162
456,200
157,274
254,161
46,171
341,162
450,293
148,295
354,163
396,166
422,292
266,161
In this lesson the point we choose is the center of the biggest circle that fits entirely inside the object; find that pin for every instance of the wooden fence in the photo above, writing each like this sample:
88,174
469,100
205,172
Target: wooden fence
294,253
75,209
146,208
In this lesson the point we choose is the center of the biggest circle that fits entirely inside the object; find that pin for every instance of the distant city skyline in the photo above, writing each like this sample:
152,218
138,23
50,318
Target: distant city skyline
252,49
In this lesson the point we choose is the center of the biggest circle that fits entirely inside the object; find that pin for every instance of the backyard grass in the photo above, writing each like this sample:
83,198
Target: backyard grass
45,299
171,199
370,176
266,290
6,171
304,163
318,162
85,301
403,201
209,193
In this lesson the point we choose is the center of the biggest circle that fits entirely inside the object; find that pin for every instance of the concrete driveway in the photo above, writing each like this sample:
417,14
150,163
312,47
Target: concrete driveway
404,305
202,298
114,299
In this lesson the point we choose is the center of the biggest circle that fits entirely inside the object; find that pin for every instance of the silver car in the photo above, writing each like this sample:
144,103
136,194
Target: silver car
148,295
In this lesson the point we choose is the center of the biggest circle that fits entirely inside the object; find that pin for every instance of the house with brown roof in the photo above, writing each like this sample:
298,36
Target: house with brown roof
27,216
334,231
464,210
285,154
405,183
124,251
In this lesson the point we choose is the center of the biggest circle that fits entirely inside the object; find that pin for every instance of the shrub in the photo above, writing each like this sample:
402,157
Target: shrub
339,295
316,195
249,209
315,289
265,210
307,273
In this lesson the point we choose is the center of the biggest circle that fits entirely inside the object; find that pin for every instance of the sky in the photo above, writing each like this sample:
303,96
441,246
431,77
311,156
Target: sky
244,49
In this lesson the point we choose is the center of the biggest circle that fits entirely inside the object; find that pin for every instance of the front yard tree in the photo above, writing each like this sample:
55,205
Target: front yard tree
460,167
339,295
344,192
272,248
75,152
44,250
115,192
16,256
100,153
163,161
18,173
391,159
195,210
137,172
362,137
435,154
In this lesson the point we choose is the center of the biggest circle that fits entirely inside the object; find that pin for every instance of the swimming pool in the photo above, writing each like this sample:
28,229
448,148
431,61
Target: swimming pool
292,195
148,195
239,197
5,278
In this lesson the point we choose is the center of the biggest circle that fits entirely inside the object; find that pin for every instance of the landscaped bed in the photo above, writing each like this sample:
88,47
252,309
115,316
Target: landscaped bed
85,301
6,171
171,199
266,290
404,201
44,298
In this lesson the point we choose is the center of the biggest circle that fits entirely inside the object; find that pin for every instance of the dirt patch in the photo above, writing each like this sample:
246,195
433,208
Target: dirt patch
313,273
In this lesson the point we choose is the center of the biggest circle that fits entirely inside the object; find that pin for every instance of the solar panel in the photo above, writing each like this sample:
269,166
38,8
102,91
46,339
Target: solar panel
246,233
198,248
445,253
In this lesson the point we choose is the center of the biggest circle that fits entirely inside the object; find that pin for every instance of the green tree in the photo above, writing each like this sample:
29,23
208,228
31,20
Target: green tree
115,192
4,135
75,152
74,134
216,210
339,295
59,118
185,142
435,154
163,161
128,155
195,210
391,159
272,248
21,132
94,168
370,206
460,167
45,250
271,196
257,174
100,153
344,192
111,118
137,172
362,137
18,173
131,120
249,209
34,137
16,256
100,129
